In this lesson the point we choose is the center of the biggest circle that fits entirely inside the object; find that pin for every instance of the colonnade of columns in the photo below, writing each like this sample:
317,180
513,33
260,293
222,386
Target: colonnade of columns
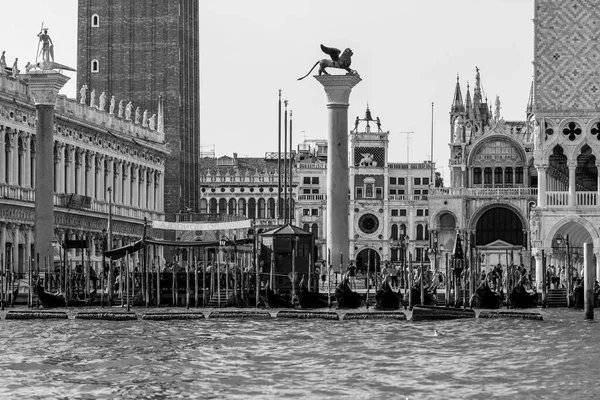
17,158
91,173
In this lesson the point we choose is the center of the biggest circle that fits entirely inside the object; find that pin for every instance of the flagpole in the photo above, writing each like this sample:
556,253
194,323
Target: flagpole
278,211
285,198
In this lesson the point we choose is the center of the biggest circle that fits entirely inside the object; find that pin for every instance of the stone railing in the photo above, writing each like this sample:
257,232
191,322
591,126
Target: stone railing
408,197
312,165
561,199
16,193
308,197
554,199
485,192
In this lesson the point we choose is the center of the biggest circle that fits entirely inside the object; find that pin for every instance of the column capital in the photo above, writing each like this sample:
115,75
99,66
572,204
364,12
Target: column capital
338,87
572,165
44,86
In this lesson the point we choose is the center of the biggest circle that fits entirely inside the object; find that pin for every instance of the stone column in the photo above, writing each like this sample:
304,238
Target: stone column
44,86
3,159
151,190
160,193
541,185
538,270
127,183
99,176
337,89
27,161
572,187
135,199
118,182
69,169
90,174
13,159
142,184
16,232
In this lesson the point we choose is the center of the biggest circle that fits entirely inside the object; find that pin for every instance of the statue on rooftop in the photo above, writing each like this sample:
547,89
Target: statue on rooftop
83,94
102,101
111,108
3,62
338,60
128,108
93,98
145,118
152,122
47,51
137,115
15,68
120,109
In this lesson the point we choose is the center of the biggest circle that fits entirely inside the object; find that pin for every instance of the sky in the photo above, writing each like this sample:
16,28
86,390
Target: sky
408,54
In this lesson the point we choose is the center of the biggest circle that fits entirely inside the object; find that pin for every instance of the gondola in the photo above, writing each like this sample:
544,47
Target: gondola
53,300
345,297
521,298
484,297
15,294
274,300
306,299
430,313
386,298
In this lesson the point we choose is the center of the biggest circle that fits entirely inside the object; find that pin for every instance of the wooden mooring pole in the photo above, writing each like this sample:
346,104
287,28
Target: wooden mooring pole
589,278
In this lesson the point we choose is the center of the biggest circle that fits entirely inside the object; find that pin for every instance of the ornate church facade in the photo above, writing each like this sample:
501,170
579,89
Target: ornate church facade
96,154
493,182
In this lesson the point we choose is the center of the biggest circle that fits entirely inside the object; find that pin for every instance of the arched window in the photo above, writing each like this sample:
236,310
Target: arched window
95,21
95,66
519,175
261,208
252,208
213,206
477,176
419,232
508,175
241,207
394,231
498,175
487,176
306,227
426,232
271,212
222,206
231,208
315,230
203,206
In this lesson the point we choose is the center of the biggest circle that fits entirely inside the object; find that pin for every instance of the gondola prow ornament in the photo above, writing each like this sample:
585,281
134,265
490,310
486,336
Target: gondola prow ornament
338,60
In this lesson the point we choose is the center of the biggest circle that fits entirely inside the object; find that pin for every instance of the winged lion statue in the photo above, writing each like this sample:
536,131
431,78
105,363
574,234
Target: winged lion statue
339,59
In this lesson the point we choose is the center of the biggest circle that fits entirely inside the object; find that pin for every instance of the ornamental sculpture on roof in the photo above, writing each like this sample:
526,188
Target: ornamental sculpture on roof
46,53
342,61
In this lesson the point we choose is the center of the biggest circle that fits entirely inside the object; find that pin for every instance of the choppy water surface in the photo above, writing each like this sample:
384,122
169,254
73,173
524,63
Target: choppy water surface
281,358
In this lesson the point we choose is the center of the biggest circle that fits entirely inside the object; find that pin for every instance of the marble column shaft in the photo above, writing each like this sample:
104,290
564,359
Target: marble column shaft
338,89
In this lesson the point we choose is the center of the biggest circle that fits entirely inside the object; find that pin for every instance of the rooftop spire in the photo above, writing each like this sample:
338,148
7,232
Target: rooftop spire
457,103
530,100
469,105
477,89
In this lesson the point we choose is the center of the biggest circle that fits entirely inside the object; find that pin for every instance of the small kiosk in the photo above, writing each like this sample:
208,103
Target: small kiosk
284,250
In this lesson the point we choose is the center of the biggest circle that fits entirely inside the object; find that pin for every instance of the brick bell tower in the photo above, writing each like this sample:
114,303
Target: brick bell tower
140,51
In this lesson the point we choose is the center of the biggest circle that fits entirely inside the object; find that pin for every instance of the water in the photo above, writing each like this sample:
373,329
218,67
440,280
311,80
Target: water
284,358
